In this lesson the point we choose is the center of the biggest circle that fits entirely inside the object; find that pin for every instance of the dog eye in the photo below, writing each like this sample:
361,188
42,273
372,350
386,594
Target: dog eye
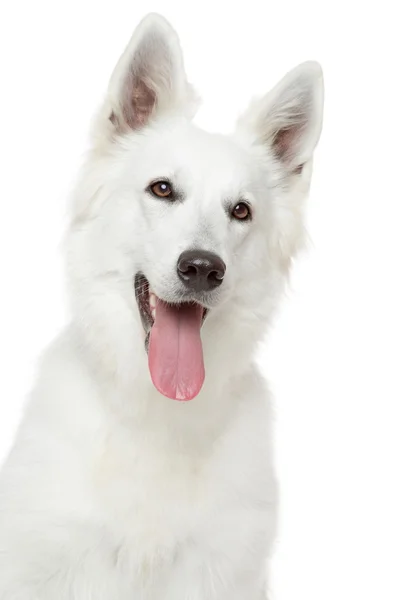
241,211
161,189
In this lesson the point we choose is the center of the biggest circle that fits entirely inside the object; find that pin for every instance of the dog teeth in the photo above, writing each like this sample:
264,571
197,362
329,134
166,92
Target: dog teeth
153,314
152,300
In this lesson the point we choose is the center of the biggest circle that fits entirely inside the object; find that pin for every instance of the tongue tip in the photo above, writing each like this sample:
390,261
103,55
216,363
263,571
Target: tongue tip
178,394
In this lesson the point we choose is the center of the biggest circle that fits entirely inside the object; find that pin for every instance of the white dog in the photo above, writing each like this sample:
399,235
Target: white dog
118,487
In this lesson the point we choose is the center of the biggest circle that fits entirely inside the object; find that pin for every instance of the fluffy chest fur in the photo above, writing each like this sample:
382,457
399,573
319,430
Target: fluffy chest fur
150,507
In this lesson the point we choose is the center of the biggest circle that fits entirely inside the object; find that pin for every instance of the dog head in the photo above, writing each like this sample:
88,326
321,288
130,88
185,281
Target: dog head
180,240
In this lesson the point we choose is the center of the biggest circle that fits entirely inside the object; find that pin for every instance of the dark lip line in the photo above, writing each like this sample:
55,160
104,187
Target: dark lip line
141,286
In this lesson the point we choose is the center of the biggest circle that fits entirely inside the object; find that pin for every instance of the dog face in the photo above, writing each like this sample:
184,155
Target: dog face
179,235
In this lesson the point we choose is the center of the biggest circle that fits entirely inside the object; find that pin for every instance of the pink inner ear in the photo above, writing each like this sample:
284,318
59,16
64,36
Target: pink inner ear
138,101
285,142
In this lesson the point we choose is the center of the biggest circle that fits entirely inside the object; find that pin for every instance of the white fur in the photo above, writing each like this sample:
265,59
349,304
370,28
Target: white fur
111,491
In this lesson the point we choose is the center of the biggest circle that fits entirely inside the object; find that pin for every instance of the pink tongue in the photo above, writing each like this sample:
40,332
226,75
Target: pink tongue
175,350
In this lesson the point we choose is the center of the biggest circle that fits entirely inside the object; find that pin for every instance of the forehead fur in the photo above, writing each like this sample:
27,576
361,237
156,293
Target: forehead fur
180,149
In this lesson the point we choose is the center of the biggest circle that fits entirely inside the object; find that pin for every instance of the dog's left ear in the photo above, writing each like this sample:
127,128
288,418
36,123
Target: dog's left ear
148,80
288,120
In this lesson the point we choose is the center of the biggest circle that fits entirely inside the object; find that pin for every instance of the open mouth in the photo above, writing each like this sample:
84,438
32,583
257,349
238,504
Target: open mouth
173,342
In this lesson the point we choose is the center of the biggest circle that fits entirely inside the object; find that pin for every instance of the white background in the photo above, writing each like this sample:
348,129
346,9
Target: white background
333,358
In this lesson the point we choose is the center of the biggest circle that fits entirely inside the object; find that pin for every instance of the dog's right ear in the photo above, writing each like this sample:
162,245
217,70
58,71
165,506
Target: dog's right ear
149,80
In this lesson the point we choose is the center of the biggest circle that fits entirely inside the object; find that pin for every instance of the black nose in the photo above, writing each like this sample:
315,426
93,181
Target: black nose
200,270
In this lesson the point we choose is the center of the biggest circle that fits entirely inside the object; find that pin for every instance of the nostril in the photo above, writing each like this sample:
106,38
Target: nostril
191,270
216,276
187,269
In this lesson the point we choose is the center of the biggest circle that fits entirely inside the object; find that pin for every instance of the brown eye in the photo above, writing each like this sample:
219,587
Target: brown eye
161,189
241,211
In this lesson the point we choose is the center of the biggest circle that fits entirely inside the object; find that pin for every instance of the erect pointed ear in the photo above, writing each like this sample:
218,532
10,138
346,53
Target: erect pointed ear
149,79
289,119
